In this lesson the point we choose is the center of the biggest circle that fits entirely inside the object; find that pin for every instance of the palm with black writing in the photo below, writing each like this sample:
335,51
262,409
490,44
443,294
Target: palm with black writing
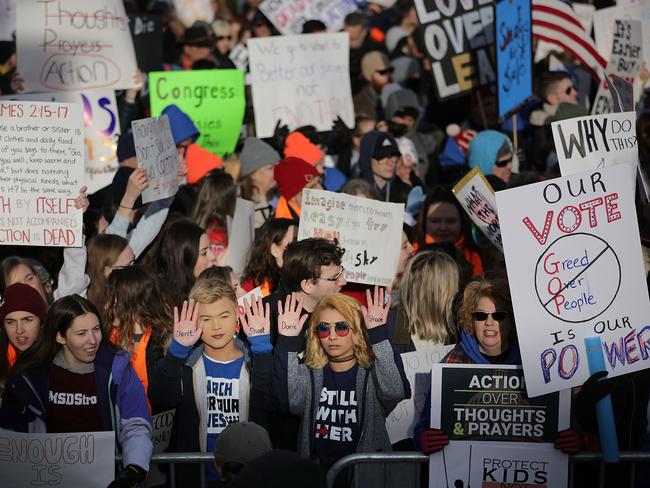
187,329
376,313
256,318
290,321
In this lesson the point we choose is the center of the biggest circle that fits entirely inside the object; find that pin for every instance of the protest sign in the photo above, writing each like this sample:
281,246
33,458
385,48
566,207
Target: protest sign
369,231
459,39
476,196
7,19
489,403
157,154
417,367
189,11
575,269
241,233
625,62
146,32
514,48
214,100
300,80
605,23
595,141
85,459
41,172
288,16
101,131
498,465
161,431
74,45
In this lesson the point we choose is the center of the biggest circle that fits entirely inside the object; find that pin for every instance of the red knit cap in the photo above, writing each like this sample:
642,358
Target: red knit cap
20,297
297,145
292,174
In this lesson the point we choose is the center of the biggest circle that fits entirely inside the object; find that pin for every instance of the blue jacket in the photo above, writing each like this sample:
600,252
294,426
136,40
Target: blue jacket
120,396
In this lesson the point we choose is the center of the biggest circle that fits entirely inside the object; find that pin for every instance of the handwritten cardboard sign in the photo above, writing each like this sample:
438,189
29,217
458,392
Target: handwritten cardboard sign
214,99
84,459
101,131
575,269
417,367
595,141
241,233
289,16
498,464
157,154
476,196
300,80
514,47
625,62
368,230
459,38
74,45
41,172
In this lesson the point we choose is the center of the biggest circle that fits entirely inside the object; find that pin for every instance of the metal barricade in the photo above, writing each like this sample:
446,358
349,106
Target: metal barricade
174,458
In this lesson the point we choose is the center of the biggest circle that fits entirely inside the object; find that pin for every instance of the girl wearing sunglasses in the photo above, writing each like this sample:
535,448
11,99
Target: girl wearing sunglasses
349,380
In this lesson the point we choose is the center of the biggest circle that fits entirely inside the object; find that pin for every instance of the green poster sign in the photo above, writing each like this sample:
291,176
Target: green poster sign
214,99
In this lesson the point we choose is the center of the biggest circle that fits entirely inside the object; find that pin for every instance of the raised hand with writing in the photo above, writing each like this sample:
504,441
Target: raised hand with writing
81,202
290,321
256,318
187,329
376,313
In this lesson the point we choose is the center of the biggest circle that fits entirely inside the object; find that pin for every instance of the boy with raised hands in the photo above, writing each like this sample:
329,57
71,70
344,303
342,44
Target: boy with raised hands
215,382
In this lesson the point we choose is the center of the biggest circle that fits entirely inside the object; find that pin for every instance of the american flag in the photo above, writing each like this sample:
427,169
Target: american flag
556,22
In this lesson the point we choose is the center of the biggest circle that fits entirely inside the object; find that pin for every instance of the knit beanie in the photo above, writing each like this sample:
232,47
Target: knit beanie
297,145
181,124
255,154
292,174
20,297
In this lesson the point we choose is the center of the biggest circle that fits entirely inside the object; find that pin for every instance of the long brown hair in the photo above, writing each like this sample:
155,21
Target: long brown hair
261,263
135,296
216,200
103,250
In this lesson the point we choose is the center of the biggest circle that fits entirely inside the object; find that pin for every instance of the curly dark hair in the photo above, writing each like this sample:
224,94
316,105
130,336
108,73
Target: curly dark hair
303,259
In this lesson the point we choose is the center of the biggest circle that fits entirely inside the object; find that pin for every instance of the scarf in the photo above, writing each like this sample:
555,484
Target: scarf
470,346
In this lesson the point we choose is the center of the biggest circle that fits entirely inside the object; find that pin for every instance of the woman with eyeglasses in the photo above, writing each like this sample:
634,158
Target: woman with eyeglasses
74,381
492,151
350,378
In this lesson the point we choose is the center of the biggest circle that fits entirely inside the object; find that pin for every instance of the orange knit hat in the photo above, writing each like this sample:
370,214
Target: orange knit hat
298,146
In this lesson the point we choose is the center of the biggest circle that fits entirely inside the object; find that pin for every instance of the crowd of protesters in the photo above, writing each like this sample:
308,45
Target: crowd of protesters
144,317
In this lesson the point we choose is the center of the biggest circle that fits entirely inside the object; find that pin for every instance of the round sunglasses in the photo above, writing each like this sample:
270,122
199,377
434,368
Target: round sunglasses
496,316
323,329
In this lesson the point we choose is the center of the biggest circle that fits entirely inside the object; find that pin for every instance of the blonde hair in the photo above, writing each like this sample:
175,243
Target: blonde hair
209,290
315,356
427,291
495,290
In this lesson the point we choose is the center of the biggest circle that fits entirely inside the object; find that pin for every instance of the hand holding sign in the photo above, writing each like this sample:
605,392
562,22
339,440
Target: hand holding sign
81,202
376,312
256,318
187,328
290,321
137,183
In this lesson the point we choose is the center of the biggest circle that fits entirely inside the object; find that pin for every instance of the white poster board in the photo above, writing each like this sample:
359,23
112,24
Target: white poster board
41,172
189,11
85,459
604,24
625,61
498,465
575,270
595,141
300,80
288,16
417,367
370,232
74,45
101,130
157,154
476,196
241,233
7,19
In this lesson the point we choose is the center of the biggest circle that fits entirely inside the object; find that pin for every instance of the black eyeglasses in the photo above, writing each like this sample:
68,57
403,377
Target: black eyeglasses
386,71
323,329
335,277
498,316
570,89
503,163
